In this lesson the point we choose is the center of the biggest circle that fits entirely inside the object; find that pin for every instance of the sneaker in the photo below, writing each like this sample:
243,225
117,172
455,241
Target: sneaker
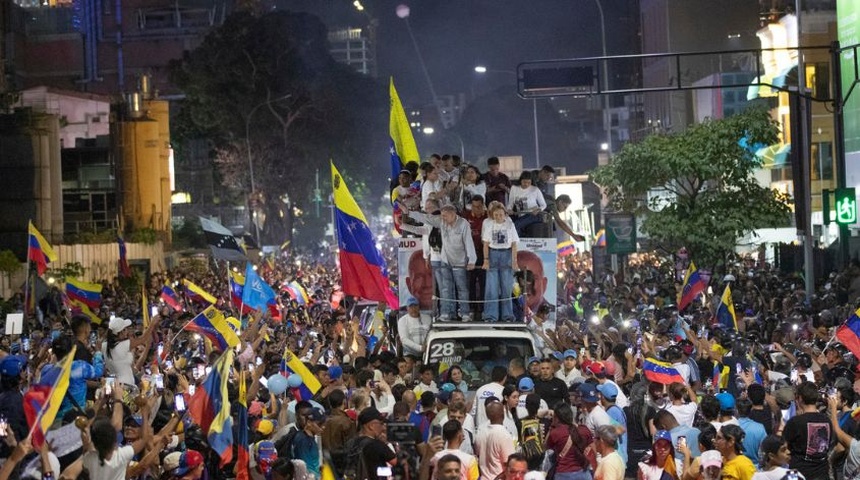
465,318
444,318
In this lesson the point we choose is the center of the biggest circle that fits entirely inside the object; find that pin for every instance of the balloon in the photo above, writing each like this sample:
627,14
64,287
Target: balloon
277,384
295,380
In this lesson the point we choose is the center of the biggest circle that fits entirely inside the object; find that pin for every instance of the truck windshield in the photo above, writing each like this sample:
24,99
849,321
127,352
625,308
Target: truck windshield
476,356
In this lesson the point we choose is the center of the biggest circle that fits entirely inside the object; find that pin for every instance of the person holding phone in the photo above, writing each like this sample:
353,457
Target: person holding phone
120,346
103,458
81,372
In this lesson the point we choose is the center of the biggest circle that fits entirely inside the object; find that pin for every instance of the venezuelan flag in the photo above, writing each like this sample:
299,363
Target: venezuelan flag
39,250
210,408
566,248
242,457
124,269
237,285
298,292
42,401
726,310
310,384
849,333
694,285
661,372
89,294
197,294
168,294
80,308
600,238
362,267
212,324
402,145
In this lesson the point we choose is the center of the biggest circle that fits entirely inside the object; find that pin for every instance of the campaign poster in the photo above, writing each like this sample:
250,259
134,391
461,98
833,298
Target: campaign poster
539,255
414,276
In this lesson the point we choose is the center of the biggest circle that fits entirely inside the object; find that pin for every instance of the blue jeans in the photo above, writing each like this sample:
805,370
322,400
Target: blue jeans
437,267
580,475
454,284
500,284
524,221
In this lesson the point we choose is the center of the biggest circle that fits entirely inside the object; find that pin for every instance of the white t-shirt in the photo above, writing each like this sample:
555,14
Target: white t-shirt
521,406
776,474
719,425
597,417
521,200
685,414
120,361
428,188
500,236
486,391
684,370
472,190
570,376
114,467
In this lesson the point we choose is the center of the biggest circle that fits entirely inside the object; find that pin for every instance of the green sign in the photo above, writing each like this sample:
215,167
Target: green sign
620,233
848,26
846,206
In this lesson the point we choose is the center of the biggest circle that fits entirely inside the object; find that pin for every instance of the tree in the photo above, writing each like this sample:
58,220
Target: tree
9,264
265,90
709,174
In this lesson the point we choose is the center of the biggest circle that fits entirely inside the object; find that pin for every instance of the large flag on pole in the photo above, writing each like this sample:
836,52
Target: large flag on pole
694,285
222,242
362,267
124,269
726,310
402,147
211,324
256,293
39,250
89,294
42,401
849,333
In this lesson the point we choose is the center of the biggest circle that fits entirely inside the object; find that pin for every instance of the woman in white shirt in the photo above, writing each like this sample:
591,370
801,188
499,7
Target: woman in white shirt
120,346
472,186
500,239
525,203
432,187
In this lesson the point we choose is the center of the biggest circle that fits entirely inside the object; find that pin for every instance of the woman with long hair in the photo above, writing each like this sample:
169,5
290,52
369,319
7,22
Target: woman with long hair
569,442
473,186
640,425
511,400
660,465
457,377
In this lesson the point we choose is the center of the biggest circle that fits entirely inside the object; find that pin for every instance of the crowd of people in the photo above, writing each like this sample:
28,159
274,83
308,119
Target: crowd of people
772,399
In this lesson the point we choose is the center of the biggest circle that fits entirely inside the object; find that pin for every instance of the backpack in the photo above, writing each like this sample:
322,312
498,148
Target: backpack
355,466
284,445
531,440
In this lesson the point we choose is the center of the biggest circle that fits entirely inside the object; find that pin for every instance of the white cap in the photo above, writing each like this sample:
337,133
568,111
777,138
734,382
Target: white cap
118,324
729,278
711,458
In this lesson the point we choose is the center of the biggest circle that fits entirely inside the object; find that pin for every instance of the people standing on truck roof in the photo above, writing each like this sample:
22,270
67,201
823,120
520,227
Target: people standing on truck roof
457,259
500,260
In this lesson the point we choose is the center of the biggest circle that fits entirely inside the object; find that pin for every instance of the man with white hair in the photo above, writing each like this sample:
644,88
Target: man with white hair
611,465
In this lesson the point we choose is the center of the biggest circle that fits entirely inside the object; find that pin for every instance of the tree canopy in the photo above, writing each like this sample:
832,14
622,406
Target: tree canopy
268,84
708,175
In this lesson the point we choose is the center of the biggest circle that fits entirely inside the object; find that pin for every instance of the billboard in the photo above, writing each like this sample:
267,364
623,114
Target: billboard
414,276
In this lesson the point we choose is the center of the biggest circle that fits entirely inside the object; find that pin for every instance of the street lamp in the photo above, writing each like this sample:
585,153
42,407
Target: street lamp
607,117
251,159
482,69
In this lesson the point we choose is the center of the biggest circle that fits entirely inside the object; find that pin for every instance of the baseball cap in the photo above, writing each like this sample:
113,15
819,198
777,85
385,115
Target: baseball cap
533,360
608,390
368,415
711,458
266,451
189,460
558,356
335,372
447,387
526,384
588,392
610,368
317,415
570,353
411,302
727,401
596,368
443,396
118,324
265,427
133,420
662,435
12,365
171,461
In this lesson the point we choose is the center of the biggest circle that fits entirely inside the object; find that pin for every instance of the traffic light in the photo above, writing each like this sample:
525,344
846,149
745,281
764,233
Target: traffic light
846,206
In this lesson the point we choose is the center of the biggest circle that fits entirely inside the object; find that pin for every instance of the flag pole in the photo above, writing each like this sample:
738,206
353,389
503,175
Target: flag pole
27,282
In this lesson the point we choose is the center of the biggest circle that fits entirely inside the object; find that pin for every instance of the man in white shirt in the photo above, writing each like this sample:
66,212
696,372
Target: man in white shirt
596,416
568,371
494,443
492,389
411,330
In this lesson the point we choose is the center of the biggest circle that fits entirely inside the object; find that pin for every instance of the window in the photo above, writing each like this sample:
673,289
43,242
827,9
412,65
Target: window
822,161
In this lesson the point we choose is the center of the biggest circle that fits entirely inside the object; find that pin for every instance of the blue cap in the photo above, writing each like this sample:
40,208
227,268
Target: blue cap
558,356
443,396
448,387
727,401
411,302
12,365
533,360
588,392
570,353
335,372
662,435
608,390
526,385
